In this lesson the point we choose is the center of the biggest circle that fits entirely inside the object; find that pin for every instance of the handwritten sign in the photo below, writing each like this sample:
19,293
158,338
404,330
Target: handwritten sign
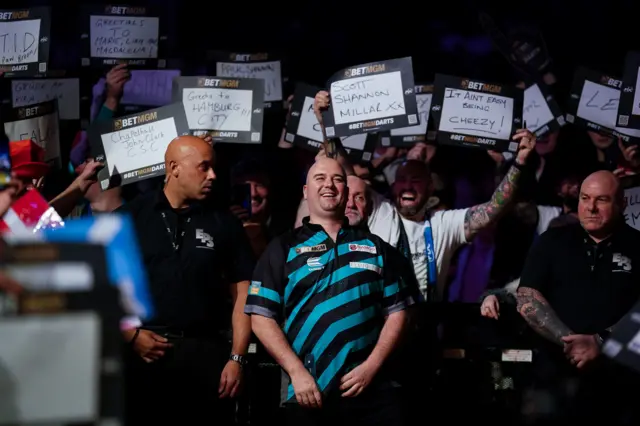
594,102
119,34
36,122
476,114
632,210
303,128
229,109
255,66
24,41
371,98
409,135
133,147
35,91
540,111
629,107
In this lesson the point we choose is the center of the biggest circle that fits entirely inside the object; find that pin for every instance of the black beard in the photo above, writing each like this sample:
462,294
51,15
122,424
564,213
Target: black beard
412,212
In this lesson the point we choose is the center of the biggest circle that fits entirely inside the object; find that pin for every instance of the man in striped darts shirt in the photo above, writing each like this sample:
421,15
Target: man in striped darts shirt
328,302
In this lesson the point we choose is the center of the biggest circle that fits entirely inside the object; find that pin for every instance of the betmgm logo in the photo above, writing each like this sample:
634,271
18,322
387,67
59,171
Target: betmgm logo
480,87
218,82
124,10
29,112
369,69
610,81
133,121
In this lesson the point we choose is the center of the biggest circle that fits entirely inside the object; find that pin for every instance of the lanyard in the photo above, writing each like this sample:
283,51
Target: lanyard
173,236
432,269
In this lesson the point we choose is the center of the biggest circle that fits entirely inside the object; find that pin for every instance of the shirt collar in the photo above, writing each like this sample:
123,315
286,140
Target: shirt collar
307,224
618,232
162,203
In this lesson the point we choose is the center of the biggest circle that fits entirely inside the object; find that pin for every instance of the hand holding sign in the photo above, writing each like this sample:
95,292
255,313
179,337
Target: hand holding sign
88,176
117,77
527,144
630,154
371,98
320,103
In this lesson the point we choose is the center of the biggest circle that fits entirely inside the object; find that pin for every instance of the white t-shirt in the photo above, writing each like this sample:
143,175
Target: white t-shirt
447,228
545,215
384,220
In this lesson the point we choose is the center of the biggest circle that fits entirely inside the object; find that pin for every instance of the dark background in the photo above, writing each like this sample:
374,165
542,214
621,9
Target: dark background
323,37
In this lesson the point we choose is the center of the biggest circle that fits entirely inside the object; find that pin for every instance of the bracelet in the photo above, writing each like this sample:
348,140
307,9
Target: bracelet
135,336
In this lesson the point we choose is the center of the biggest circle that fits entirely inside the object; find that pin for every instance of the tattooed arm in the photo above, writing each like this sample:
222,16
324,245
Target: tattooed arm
480,216
537,312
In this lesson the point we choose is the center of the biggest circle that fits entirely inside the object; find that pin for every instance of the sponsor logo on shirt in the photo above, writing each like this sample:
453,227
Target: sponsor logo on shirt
621,263
362,265
205,239
314,263
362,247
311,249
255,287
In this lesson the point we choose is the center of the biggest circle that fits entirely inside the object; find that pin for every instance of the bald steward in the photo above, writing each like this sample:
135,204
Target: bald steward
601,204
189,162
184,147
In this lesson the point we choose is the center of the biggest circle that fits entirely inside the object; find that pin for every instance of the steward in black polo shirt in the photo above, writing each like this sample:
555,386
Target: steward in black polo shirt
195,256
577,283
328,304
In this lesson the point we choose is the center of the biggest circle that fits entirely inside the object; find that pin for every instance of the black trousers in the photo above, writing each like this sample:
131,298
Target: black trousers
379,405
180,388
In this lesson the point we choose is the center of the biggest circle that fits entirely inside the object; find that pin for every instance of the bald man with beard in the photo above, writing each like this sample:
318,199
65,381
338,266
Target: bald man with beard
578,282
181,367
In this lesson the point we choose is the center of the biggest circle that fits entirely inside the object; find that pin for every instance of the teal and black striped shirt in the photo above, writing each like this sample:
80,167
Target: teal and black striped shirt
330,297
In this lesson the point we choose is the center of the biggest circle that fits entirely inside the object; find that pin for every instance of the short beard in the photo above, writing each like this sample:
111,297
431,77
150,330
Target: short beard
413,213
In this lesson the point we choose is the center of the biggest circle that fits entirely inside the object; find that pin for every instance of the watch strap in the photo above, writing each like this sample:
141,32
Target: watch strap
238,358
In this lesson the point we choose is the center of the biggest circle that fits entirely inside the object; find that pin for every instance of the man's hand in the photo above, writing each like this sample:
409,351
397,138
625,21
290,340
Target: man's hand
88,175
354,382
422,152
630,154
230,380
307,393
207,138
526,146
490,307
240,212
150,346
581,349
496,157
117,77
320,103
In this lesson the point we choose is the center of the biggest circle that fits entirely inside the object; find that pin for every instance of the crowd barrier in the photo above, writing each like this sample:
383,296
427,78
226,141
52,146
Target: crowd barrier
453,363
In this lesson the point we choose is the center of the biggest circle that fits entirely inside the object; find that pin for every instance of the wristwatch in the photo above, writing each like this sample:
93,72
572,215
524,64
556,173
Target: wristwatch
602,337
239,359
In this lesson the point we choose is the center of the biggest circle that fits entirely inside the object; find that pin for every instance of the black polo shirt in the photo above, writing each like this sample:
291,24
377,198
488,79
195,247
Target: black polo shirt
190,285
590,286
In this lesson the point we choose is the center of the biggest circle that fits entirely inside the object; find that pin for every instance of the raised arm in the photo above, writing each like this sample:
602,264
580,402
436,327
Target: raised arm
540,316
483,215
